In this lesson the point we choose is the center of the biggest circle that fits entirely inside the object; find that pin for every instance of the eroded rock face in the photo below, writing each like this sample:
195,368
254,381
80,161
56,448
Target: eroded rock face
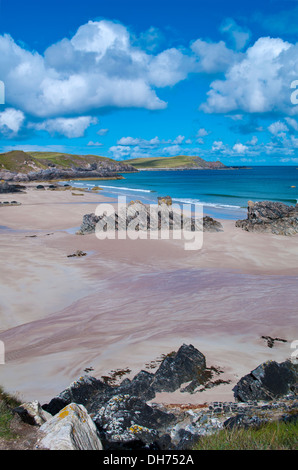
100,170
268,381
267,216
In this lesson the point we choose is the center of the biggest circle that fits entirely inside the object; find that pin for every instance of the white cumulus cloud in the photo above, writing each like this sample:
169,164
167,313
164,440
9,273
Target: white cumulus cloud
11,120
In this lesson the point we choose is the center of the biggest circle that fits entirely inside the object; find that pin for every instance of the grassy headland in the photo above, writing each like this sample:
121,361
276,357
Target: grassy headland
181,161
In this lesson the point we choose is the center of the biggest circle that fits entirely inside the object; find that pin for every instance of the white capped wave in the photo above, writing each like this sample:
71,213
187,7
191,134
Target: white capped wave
209,204
122,188
119,188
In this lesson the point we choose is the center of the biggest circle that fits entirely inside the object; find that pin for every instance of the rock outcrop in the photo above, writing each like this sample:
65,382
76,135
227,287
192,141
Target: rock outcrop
274,217
137,216
91,414
103,169
268,381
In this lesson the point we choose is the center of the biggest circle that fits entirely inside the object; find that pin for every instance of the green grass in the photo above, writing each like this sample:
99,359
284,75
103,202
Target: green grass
273,436
7,403
65,160
24,162
181,161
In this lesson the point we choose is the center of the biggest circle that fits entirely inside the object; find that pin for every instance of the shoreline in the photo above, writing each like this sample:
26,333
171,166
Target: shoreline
128,302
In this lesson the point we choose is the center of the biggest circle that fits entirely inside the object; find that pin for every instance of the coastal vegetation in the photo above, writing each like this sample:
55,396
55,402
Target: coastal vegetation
277,435
24,162
180,161
7,403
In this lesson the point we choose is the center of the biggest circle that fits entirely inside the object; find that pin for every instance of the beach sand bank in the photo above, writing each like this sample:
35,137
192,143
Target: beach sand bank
127,302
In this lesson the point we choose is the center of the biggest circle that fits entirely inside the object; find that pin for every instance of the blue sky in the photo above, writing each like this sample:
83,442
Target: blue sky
151,78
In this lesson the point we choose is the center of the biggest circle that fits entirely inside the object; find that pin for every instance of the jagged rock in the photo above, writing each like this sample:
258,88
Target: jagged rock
140,386
32,413
137,216
82,392
71,429
88,224
269,380
179,367
129,419
211,225
267,216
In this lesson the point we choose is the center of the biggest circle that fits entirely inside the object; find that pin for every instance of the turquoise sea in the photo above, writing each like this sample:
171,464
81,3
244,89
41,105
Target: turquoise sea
223,193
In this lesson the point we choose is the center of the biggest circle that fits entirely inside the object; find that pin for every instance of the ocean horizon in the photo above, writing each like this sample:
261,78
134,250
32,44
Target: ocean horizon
223,193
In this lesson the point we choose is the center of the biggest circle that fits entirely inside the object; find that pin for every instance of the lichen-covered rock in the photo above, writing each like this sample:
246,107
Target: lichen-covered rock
267,216
71,429
128,419
164,200
268,381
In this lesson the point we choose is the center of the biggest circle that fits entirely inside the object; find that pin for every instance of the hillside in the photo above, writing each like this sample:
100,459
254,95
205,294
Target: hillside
181,161
24,162
23,166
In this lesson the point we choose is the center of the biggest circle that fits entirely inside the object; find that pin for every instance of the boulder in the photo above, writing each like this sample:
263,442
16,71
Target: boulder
267,216
268,381
179,367
10,188
32,413
127,419
71,429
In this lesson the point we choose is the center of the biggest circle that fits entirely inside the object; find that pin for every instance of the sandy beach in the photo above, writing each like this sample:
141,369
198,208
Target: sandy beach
128,302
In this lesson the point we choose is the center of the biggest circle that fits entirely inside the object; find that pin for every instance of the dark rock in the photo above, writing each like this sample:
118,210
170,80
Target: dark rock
269,380
78,253
271,341
82,392
187,440
139,386
10,188
241,420
267,216
40,186
179,367
128,419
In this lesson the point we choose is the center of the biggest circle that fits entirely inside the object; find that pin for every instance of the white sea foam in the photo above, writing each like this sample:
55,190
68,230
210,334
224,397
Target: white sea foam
209,204
118,188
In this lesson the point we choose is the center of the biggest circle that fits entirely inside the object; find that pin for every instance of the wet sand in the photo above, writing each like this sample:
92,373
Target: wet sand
128,302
